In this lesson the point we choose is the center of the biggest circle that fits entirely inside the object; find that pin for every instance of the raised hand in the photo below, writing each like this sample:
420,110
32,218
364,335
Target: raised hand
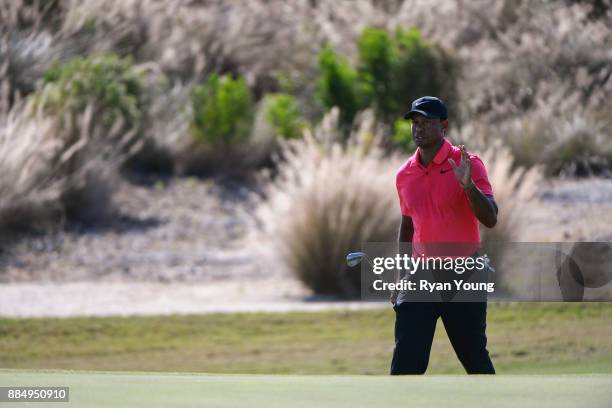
463,171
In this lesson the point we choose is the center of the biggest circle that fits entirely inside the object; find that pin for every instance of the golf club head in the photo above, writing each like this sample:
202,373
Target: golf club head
354,258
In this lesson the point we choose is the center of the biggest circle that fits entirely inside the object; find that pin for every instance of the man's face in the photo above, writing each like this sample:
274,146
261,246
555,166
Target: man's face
427,132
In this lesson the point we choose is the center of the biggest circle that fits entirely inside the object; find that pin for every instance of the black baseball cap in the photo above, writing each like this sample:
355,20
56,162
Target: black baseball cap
428,106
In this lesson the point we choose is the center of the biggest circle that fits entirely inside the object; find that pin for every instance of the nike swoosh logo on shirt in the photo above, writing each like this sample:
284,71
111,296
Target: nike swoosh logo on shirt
445,171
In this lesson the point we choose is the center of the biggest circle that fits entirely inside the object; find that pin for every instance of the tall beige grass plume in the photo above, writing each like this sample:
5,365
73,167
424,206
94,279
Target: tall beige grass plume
514,189
327,200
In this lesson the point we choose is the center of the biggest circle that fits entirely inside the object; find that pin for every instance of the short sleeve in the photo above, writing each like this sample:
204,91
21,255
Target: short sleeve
479,176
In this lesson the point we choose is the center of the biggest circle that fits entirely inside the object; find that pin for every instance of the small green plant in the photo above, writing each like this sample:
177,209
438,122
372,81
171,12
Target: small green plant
282,112
423,69
108,82
377,62
392,71
404,67
402,135
222,110
339,85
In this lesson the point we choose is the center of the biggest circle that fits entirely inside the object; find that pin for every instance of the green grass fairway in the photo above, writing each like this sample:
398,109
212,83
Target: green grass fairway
524,338
207,390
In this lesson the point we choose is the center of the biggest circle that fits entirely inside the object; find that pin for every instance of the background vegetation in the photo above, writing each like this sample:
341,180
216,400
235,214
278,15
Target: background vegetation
93,90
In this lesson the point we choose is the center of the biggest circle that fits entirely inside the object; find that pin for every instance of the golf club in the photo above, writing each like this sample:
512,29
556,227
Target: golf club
354,258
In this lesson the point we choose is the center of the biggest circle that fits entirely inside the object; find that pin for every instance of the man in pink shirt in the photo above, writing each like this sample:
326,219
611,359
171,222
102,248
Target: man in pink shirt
444,193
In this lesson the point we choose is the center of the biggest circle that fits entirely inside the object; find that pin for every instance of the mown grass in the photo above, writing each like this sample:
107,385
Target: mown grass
99,389
523,338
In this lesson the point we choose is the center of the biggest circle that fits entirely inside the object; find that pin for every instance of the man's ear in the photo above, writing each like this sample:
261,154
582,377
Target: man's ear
444,125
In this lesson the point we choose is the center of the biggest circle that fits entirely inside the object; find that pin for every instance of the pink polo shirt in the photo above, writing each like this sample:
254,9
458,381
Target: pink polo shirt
438,205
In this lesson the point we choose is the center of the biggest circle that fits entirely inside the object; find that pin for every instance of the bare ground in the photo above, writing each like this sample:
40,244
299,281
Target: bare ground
570,210
173,230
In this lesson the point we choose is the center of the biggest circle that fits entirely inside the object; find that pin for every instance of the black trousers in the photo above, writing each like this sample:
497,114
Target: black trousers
465,324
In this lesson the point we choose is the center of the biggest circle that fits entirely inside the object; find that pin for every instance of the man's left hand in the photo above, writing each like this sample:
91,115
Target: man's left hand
463,171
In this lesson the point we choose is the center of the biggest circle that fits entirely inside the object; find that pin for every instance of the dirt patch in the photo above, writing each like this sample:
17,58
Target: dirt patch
570,210
173,230
147,298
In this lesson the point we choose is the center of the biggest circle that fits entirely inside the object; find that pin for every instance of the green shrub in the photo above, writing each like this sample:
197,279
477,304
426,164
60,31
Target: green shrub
108,82
90,110
222,111
423,69
339,85
282,112
377,62
402,135
402,68
393,70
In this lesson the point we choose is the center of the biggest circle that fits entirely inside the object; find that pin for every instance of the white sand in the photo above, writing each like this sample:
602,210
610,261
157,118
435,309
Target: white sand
136,298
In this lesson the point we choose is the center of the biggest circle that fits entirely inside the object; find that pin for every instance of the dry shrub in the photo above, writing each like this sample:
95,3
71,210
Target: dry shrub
189,40
517,52
27,194
166,136
105,26
35,34
327,200
261,40
513,188
520,52
573,142
235,161
532,70
57,167
192,39
26,49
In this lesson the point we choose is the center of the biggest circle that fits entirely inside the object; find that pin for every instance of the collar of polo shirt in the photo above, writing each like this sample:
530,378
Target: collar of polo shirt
440,157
